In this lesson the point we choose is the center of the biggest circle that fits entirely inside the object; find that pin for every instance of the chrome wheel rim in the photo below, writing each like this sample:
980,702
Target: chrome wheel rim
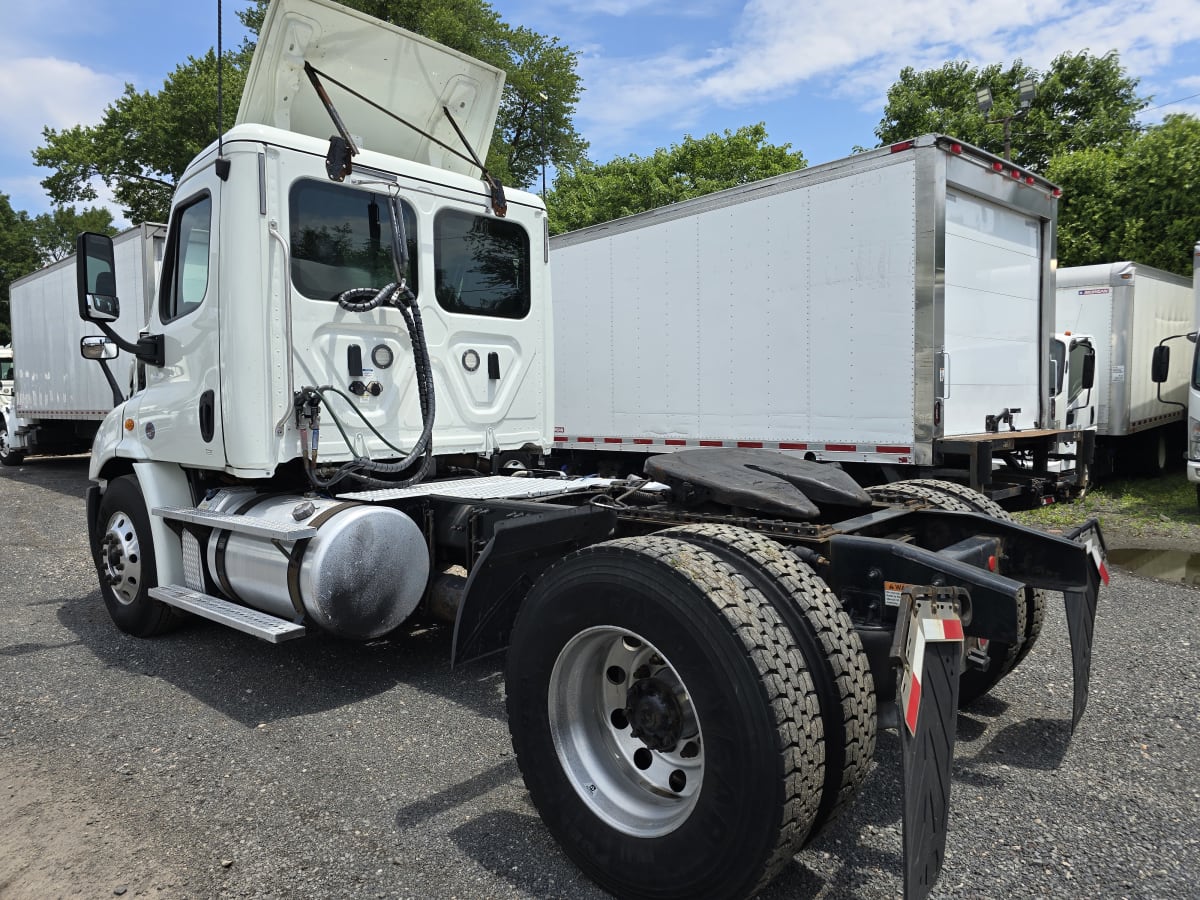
121,558
625,731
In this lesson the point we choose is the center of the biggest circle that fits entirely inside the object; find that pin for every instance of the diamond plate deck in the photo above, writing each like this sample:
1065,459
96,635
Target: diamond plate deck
488,487
265,528
249,621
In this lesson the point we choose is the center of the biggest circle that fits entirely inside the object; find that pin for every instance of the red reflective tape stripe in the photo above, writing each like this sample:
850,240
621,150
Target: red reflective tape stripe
1104,572
586,440
883,449
712,443
642,441
612,440
952,629
675,442
791,446
841,448
914,704
561,440
752,445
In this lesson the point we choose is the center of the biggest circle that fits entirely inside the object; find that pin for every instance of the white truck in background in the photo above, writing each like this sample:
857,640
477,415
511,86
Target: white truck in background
1123,310
890,311
1162,372
58,399
6,367
348,386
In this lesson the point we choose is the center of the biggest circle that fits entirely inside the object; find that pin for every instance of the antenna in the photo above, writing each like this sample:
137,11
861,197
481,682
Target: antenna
222,162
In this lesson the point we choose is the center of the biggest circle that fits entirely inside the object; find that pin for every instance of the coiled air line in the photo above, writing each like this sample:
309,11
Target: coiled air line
359,300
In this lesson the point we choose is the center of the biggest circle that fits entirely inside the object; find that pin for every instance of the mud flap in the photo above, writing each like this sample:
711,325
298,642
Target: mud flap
1081,615
928,647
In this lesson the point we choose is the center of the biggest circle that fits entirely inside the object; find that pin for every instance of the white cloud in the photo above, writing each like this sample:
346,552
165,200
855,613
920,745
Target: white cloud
38,91
779,45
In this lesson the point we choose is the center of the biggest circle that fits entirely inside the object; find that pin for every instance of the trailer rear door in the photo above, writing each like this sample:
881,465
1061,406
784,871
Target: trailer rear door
992,299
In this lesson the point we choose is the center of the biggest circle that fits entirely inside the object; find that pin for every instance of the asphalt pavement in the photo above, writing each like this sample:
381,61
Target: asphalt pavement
207,764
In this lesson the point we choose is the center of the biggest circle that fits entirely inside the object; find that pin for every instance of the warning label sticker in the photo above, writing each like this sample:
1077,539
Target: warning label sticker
892,591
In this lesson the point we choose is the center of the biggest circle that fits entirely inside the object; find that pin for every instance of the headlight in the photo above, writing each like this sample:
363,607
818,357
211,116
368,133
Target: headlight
1193,438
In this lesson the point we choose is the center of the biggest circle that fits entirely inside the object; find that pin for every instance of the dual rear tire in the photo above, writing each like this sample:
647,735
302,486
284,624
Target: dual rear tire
677,705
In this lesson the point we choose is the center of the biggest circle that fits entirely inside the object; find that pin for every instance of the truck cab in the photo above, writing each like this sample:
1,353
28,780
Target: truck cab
262,242
1072,377
6,372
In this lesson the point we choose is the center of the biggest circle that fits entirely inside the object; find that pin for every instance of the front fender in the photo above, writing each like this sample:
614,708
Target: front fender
106,445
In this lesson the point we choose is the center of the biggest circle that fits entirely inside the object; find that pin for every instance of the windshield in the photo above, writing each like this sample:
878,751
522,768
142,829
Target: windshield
1196,367
6,369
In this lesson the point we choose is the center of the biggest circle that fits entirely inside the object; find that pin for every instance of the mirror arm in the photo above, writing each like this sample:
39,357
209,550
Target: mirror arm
148,348
1158,387
118,396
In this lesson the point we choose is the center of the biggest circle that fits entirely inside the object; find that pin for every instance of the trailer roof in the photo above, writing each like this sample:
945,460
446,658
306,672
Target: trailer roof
1114,274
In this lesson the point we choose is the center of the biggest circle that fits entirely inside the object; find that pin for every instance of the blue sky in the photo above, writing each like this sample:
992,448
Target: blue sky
815,72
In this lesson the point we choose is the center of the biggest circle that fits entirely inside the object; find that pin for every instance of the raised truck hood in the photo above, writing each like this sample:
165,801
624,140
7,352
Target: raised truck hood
403,72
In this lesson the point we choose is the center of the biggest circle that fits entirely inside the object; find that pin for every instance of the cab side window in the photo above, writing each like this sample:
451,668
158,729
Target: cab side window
186,269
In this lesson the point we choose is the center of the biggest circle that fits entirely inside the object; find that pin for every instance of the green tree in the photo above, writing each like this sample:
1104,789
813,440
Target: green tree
18,256
1082,101
1139,202
145,140
27,244
591,193
54,233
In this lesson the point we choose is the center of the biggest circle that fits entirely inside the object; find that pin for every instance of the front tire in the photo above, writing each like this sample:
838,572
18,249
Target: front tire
123,549
8,456
663,721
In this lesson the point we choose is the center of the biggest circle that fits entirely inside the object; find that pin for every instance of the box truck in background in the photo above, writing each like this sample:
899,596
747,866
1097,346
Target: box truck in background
58,399
1125,309
891,312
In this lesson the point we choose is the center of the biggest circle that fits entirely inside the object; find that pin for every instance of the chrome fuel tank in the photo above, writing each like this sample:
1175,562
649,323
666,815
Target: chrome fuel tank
361,576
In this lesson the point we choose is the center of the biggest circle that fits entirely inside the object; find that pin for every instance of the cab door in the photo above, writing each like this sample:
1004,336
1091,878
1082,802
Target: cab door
180,413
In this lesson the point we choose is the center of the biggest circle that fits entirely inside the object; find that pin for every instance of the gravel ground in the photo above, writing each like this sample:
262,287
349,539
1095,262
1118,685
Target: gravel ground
207,764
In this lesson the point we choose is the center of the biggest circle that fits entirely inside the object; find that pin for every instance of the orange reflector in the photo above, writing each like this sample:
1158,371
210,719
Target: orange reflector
129,424
991,564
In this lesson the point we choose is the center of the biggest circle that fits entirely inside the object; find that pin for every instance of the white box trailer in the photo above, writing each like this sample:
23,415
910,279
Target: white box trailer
1128,308
892,309
59,398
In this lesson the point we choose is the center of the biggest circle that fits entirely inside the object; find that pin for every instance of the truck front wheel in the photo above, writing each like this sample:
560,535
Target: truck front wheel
663,721
8,456
124,553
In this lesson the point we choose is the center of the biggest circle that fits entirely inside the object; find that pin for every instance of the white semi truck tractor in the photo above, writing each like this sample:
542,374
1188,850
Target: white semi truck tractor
1161,374
348,389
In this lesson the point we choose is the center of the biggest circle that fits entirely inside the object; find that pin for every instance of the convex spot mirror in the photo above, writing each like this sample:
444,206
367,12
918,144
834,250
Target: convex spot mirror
1160,364
95,279
96,346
